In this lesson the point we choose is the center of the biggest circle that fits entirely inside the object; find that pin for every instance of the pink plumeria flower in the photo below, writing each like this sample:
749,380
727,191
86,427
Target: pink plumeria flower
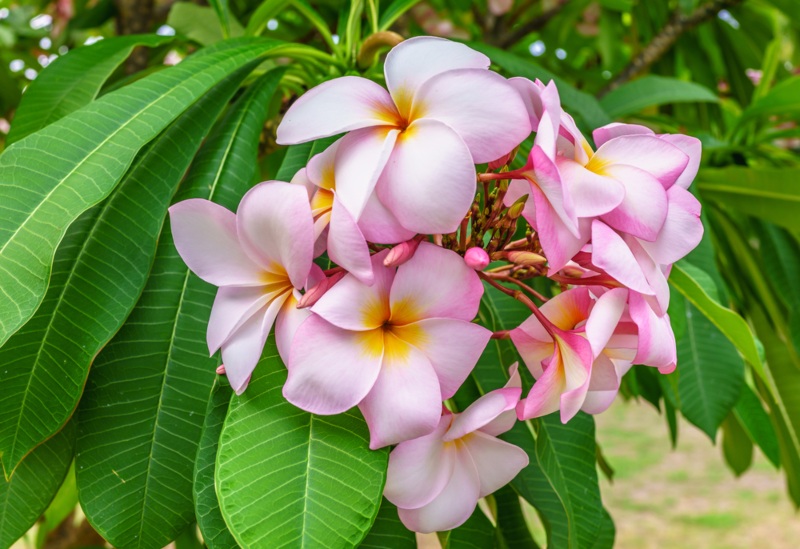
416,145
259,257
577,349
396,348
436,480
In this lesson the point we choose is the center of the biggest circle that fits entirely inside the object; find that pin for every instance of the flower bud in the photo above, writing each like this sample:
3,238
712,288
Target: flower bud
528,259
503,160
318,290
516,208
401,253
221,370
476,258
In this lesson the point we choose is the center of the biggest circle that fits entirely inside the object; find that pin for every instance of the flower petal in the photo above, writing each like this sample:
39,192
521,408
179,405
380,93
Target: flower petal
613,255
352,305
453,347
558,240
415,60
545,395
693,149
497,461
289,320
605,316
483,411
656,338
454,504
506,420
480,105
618,129
603,386
429,182
682,230
233,306
274,223
576,360
658,157
360,160
405,402
380,226
330,369
434,283
644,209
336,106
420,468
347,246
205,236
592,194
531,94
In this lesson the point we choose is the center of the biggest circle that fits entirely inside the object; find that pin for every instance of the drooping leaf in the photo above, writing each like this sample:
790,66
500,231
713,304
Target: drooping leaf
143,410
388,531
653,90
72,81
206,505
50,177
711,373
608,532
29,491
737,448
756,423
287,478
510,520
772,194
476,533
101,285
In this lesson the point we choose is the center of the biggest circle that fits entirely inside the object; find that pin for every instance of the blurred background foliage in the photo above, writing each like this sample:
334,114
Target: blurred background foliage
726,71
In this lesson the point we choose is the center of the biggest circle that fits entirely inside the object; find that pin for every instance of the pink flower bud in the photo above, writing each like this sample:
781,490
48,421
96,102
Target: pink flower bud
221,370
529,259
476,258
318,290
401,253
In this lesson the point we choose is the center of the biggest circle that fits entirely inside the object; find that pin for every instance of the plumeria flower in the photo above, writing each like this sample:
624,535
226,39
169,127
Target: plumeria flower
416,145
259,257
396,348
577,349
436,480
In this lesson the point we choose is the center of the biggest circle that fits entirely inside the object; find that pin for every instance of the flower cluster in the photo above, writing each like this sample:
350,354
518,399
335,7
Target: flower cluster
409,228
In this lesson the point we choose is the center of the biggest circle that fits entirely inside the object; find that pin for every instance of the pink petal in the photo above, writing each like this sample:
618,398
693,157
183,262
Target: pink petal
655,274
480,105
656,338
506,420
429,182
330,369
289,320
533,343
405,402
360,160
557,239
613,255
569,309
205,236
547,178
692,147
320,169
497,461
415,60
454,504
484,410
603,387
352,305
576,360
531,94
644,209
301,178
435,283
617,129
605,316
682,230
420,468
242,350
452,346
274,223
592,194
347,246
548,130
650,154
336,106
545,395
380,226
233,306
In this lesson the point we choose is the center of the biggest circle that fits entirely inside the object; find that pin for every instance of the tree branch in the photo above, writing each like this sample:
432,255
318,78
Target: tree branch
663,41
531,26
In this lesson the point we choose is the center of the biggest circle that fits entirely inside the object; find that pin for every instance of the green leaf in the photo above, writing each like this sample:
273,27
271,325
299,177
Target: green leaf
608,532
772,194
511,521
737,448
72,81
29,491
782,100
576,101
296,158
697,286
209,517
100,287
62,506
266,11
476,533
287,478
50,177
394,11
142,414
222,9
388,531
711,373
203,24
650,91
755,421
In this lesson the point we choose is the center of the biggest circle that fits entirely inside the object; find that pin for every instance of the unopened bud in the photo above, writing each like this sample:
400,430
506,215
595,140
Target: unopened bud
401,253
221,370
318,290
503,160
573,272
476,258
528,259
516,208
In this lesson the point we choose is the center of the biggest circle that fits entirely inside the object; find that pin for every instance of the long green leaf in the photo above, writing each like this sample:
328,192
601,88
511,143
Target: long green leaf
511,521
780,101
101,286
737,448
63,504
476,533
393,11
50,177
755,421
72,81
772,194
206,505
710,373
27,494
581,103
652,90
388,531
286,478
142,414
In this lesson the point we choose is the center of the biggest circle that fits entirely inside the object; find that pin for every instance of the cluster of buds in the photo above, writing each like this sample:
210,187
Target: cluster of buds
414,233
